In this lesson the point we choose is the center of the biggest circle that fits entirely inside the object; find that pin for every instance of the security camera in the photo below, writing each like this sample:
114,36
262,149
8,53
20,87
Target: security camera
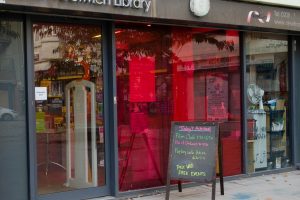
200,7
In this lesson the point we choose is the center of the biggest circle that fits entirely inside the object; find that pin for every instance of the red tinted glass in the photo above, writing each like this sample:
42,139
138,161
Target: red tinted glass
166,75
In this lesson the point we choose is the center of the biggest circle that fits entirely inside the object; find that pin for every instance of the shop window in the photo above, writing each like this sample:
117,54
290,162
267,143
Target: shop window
174,74
69,107
267,91
13,127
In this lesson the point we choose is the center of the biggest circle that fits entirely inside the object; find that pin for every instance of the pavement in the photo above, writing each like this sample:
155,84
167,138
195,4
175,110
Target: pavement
281,186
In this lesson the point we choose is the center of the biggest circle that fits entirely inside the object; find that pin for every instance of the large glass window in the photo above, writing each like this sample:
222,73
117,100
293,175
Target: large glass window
267,91
13,135
69,107
173,74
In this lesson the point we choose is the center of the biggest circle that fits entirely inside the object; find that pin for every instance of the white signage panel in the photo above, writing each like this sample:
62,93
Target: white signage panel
40,93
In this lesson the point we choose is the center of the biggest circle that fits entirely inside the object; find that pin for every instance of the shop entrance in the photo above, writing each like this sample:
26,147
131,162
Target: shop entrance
69,110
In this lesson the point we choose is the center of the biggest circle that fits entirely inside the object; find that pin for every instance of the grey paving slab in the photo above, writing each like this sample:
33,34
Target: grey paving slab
283,186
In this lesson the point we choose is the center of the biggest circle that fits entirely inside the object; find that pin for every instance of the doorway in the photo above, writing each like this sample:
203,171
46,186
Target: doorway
69,98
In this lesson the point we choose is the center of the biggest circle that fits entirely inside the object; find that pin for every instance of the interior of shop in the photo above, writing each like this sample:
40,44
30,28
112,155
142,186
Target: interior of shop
167,74
164,74
267,91
69,107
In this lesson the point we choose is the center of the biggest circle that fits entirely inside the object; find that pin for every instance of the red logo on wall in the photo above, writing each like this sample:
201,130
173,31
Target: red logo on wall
258,16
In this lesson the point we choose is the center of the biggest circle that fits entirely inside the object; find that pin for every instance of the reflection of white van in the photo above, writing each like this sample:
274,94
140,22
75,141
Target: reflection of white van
7,114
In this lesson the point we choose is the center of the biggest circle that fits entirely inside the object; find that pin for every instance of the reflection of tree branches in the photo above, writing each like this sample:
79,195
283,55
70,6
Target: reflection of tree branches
141,43
78,36
136,42
68,33
224,44
149,43
180,38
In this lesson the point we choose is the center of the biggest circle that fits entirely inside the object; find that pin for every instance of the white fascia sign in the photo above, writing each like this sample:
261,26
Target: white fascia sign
137,4
2,1
200,7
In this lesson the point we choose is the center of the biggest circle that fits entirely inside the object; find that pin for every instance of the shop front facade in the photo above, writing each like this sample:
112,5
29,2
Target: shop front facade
89,90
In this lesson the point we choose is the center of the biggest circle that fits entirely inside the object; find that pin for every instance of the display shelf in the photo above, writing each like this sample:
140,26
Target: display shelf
276,131
60,78
276,111
55,96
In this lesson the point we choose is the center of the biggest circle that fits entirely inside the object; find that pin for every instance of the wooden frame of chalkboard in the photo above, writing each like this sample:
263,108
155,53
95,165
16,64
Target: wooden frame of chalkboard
194,147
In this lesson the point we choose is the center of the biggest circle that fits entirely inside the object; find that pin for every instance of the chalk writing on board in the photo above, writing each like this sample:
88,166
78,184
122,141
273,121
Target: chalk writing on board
192,155
193,151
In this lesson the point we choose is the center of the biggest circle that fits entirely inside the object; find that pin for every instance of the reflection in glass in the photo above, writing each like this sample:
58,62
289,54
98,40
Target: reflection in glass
69,107
13,136
170,74
267,90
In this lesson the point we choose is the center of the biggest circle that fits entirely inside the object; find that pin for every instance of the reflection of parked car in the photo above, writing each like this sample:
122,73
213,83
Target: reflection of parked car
7,114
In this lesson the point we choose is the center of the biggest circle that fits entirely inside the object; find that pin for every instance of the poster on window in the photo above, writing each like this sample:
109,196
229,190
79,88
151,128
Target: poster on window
142,79
217,96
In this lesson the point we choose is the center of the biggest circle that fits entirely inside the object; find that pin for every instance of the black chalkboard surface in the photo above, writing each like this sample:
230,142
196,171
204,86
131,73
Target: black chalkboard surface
193,152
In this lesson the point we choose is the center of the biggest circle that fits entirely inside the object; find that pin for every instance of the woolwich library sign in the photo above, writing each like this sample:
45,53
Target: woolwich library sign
137,4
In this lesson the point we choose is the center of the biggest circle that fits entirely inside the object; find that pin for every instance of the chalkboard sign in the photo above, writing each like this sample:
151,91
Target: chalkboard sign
193,153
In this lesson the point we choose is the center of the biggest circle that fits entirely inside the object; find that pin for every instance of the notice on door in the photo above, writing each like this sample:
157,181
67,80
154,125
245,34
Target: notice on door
40,93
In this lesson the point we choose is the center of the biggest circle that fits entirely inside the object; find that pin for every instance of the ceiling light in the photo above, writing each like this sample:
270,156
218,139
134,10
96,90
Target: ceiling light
97,36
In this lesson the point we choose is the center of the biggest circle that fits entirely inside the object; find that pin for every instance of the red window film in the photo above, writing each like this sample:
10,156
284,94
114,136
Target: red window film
166,75
141,79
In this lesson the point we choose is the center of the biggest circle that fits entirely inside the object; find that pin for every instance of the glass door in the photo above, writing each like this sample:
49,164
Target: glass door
69,107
